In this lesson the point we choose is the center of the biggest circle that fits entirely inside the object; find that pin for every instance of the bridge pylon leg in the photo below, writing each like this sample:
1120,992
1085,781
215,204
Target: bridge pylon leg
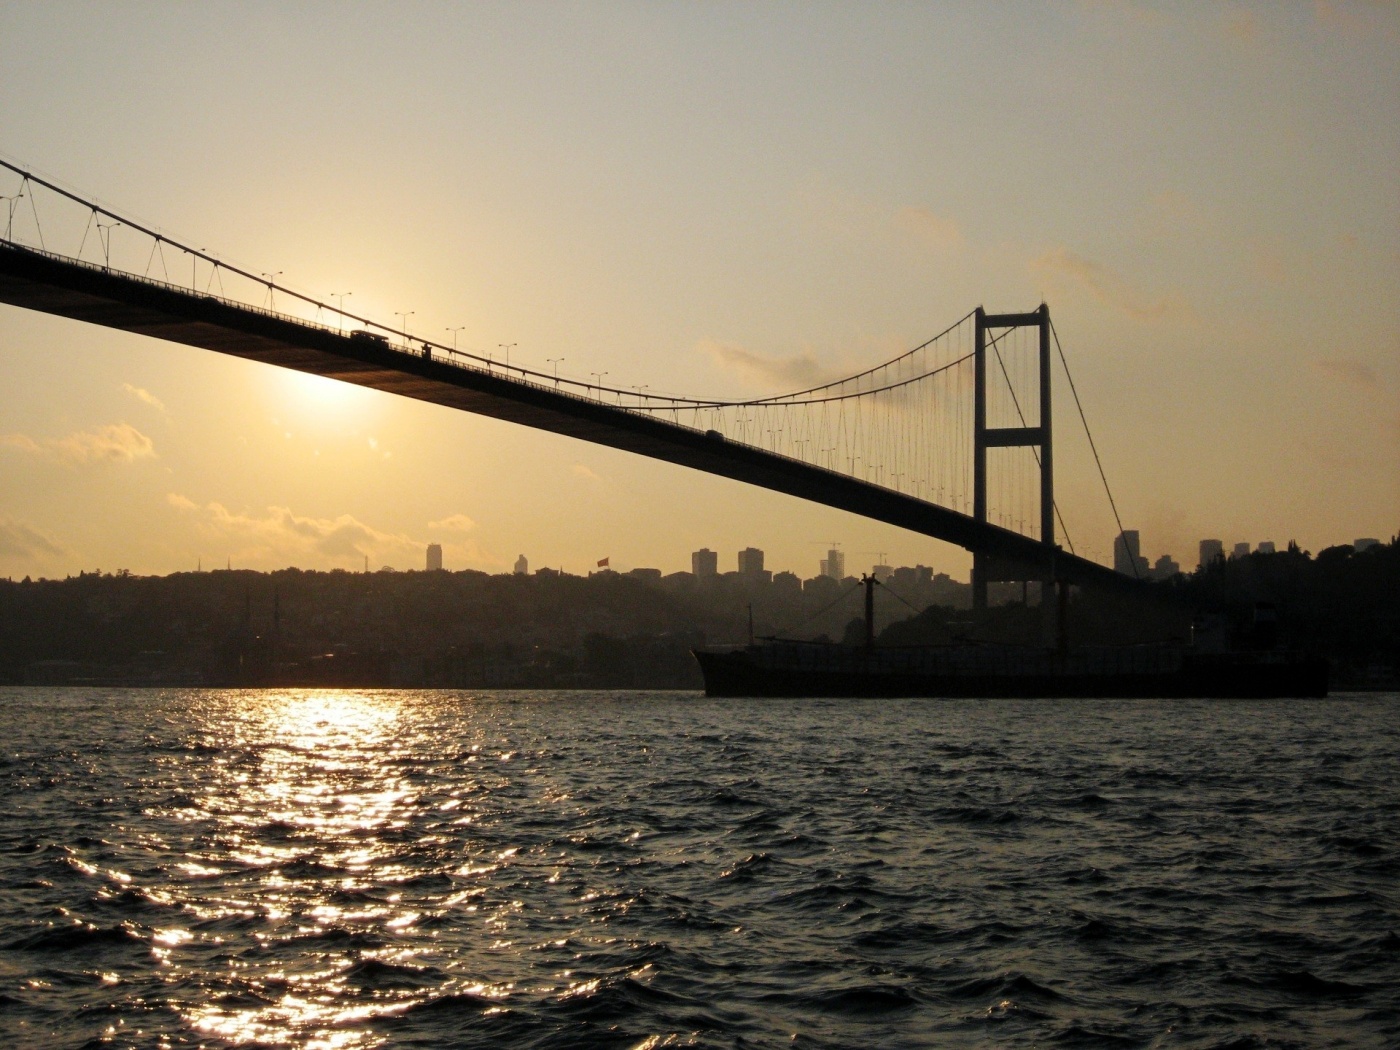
1038,437
979,454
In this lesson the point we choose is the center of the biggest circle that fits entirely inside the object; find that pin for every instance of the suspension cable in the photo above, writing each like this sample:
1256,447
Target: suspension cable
1034,451
1089,434
861,375
646,402
38,228
697,406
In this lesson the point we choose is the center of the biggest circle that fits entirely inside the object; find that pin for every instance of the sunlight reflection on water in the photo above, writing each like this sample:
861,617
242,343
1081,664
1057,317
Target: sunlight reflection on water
362,869
325,773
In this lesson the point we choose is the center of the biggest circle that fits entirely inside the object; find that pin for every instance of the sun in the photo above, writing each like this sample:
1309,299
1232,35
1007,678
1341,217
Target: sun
315,399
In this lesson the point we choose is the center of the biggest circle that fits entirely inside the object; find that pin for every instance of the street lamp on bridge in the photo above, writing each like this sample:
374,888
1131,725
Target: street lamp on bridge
106,242
454,332
507,347
340,298
598,376
405,314
10,222
270,278
555,362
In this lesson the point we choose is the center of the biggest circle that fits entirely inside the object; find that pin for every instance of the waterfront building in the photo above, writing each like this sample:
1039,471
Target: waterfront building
834,565
750,561
1211,552
1127,557
704,564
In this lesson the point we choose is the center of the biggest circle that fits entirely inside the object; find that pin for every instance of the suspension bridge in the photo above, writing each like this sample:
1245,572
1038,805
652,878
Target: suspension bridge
952,439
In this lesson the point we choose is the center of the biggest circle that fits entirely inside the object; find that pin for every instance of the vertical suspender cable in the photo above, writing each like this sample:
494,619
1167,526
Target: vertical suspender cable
1087,433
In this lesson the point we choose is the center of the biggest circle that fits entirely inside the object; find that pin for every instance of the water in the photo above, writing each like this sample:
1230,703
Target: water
360,869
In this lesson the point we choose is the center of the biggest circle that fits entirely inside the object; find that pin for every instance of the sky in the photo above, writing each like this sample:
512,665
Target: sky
715,199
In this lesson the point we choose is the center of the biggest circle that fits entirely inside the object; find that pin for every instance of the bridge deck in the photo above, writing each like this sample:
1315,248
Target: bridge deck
55,285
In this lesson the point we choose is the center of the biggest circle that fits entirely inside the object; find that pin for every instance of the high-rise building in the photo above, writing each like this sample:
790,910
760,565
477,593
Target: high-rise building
704,563
434,556
750,561
1365,544
1165,568
1211,552
1127,558
522,566
1266,547
834,565
1241,551
882,572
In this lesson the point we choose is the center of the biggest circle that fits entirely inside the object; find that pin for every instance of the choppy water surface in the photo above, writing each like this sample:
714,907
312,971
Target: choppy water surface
321,868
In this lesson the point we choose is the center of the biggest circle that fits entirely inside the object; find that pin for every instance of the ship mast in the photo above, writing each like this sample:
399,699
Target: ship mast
869,581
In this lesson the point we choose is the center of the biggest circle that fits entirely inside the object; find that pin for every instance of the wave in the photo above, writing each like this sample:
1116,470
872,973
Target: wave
75,937
1006,986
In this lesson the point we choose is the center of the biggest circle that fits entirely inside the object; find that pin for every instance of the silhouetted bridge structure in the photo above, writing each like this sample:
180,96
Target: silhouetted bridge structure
915,451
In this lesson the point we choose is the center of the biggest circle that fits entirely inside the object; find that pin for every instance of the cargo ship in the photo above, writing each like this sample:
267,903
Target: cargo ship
784,668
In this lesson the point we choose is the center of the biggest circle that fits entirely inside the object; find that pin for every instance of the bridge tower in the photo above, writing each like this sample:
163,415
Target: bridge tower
985,569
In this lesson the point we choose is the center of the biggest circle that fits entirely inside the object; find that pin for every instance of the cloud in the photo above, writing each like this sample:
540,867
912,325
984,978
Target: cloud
1351,372
583,472
935,230
843,215
144,395
23,442
279,535
19,540
1107,287
796,371
113,443
454,522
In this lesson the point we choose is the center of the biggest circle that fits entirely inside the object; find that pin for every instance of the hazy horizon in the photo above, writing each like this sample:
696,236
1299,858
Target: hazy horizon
721,200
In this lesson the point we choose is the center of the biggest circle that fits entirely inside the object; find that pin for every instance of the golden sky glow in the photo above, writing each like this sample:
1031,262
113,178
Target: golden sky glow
713,199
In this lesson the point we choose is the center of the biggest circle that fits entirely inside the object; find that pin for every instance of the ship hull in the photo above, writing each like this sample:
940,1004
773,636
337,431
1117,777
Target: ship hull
743,674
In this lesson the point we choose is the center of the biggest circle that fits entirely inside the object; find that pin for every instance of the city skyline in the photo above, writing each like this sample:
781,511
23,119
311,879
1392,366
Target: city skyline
1198,299
749,562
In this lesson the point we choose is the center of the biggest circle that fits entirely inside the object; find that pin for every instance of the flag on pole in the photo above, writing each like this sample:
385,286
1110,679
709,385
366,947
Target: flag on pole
603,564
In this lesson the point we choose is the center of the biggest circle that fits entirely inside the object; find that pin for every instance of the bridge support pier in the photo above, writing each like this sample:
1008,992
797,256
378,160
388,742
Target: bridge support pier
1039,437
